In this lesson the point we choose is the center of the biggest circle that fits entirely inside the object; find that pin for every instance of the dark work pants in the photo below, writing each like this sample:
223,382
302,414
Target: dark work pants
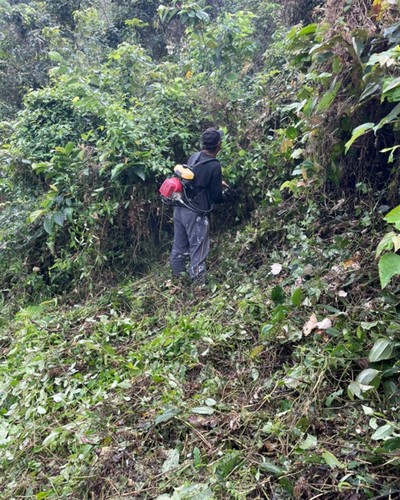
191,240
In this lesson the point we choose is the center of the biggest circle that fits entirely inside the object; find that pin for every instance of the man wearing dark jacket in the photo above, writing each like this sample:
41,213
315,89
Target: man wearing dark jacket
191,223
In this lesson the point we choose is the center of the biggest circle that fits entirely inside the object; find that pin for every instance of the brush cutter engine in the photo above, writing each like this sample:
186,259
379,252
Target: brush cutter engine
173,188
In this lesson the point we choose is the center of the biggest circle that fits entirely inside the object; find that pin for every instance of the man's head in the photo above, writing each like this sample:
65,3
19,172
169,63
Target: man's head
212,139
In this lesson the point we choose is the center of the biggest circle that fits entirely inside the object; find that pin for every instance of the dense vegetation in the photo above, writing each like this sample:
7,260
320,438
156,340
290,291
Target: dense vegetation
281,379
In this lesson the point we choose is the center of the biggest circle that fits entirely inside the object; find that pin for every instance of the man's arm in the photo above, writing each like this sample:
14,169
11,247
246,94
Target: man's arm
216,185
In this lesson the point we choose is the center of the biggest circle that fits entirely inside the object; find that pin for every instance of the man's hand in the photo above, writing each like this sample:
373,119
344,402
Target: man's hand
229,194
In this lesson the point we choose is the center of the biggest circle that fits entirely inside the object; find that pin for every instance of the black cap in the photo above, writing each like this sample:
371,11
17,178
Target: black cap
211,137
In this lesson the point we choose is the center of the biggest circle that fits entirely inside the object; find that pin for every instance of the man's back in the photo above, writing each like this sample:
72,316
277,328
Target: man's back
207,181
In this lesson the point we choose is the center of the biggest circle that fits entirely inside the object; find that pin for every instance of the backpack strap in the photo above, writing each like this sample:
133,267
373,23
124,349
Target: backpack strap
195,162
191,164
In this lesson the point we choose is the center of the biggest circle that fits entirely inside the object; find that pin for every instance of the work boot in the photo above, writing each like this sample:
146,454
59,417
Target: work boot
178,283
199,286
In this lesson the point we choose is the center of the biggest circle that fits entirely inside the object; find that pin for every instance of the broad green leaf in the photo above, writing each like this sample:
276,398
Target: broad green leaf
389,266
297,297
171,462
203,410
391,117
41,167
373,423
199,491
35,215
51,438
55,56
393,217
69,147
90,345
382,432
358,46
68,213
29,312
331,398
167,415
291,132
59,218
382,349
227,464
118,169
390,84
272,468
358,132
332,461
197,460
354,389
278,295
48,225
266,329
295,377
365,325
294,106
393,33
396,242
387,58
328,98
319,47
368,377
367,410
256,351
309,443
279,314
393,95
370,90
297,153
327,46
308,30
140,173
358,389
392,444
109,350
42,494
310,105
386,243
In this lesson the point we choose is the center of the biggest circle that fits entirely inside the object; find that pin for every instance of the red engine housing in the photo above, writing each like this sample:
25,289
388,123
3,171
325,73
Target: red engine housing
171,186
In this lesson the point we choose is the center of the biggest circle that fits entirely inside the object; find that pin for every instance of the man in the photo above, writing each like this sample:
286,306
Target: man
191,223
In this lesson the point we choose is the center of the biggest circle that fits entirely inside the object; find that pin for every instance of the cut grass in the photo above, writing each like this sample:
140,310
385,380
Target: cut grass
149,389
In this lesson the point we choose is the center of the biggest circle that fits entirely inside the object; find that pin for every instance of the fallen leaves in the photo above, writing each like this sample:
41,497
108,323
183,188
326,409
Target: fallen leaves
313,324
276,269
351,264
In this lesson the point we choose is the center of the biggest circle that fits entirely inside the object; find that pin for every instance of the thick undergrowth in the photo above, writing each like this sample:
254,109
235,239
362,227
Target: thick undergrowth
278,380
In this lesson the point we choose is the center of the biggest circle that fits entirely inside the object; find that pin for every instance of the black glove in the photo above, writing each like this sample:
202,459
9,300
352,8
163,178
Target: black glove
229,194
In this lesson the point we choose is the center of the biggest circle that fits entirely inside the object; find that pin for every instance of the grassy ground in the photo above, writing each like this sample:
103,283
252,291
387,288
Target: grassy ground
247,389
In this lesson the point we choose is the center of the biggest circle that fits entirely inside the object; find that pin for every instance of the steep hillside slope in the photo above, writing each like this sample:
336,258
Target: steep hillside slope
281,378
258,387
